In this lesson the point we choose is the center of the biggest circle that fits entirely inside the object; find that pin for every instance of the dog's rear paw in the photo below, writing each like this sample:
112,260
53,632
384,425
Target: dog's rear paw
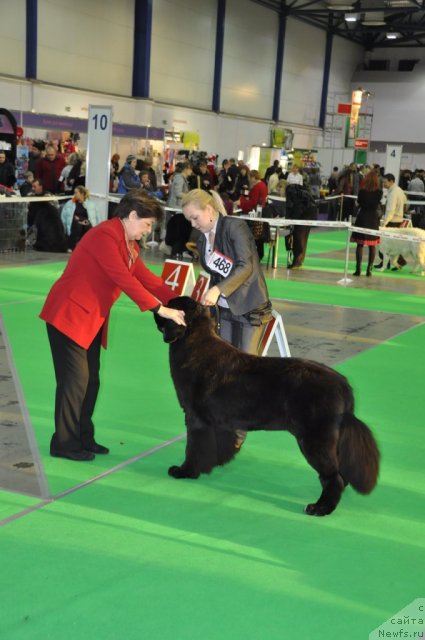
317,509
181,472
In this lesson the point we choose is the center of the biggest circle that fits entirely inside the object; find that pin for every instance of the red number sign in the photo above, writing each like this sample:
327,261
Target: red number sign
201,286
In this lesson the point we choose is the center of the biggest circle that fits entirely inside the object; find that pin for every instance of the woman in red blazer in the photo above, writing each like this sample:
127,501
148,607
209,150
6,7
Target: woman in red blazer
104,264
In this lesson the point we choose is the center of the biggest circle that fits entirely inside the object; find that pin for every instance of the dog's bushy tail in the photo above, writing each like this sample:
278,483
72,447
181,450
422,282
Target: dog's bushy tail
358,454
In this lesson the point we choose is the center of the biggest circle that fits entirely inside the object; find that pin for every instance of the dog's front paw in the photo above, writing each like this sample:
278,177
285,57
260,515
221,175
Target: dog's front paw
317,509
182,472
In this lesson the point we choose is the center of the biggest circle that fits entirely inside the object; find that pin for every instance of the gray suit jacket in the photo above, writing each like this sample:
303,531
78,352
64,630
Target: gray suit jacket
245,287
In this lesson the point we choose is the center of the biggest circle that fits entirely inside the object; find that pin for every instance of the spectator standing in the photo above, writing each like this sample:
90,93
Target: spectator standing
257,194
45,226
300,205
256,199
7,171
333,180
368,199
179,184
394,213
79,215
242,185
49,169
294,176
26,187
128,176
203,177
36,153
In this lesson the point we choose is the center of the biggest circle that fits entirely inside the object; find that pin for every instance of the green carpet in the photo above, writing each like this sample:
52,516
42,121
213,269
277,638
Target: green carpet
231,556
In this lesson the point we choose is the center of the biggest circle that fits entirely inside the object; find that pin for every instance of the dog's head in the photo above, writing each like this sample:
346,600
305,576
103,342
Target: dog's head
172,331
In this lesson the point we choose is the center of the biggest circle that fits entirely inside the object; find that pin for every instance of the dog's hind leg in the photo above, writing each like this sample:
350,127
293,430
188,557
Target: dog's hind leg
201,453
322,456
226,445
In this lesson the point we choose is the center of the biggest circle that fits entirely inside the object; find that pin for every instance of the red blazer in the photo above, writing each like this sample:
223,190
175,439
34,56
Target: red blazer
257,195
97,273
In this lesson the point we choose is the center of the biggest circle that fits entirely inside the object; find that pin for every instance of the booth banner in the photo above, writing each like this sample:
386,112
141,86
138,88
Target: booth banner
191,139
282,138
264,161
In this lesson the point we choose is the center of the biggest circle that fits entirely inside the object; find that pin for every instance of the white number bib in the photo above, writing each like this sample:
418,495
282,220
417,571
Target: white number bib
220,263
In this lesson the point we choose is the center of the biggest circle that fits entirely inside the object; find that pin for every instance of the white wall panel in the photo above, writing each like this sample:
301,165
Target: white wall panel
182,54
398,99
86,44
12,37
346,56
302,74
250,41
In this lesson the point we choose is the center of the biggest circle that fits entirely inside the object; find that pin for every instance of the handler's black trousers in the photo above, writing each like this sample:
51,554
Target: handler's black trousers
77,386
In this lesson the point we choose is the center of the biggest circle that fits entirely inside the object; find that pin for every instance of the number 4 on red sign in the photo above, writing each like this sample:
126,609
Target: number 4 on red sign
173,278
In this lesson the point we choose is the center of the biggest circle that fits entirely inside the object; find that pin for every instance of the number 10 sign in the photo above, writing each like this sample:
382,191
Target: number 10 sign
99,149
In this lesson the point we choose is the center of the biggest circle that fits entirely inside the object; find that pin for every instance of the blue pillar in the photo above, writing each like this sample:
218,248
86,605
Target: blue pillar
142,48
31,40
326,71
218,65
279,65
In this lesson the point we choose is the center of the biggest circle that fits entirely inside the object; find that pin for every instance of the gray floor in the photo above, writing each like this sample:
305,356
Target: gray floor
325,333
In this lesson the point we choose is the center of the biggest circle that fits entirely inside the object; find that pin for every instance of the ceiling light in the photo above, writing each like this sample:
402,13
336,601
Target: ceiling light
351,17
374,19
339,7
393,35
400,3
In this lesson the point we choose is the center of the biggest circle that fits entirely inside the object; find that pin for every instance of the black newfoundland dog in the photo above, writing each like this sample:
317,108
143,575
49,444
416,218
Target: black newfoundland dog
222,389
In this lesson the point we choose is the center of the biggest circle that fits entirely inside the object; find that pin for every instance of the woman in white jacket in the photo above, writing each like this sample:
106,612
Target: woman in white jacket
79,215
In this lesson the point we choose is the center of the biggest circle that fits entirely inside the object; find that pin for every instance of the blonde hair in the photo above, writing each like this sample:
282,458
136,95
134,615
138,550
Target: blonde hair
202,199
85,192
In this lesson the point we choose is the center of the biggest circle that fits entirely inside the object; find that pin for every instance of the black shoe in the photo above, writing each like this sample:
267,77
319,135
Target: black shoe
378,266
78,456
97,448
397,268
368,272
357,272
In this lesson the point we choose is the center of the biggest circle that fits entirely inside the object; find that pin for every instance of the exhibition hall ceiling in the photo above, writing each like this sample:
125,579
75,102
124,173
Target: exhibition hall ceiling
371,23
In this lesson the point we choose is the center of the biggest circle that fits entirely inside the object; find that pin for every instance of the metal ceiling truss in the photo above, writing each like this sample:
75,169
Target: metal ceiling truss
374,21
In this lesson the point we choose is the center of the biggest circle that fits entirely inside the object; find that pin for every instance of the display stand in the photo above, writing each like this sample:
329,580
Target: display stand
275,331
180,276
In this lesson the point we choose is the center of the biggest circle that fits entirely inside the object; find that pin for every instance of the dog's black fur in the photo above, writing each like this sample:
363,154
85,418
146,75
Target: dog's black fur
222,389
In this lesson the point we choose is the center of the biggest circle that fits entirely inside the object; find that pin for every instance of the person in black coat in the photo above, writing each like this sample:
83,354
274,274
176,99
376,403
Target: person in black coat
44,217
7,172
368,199
300,205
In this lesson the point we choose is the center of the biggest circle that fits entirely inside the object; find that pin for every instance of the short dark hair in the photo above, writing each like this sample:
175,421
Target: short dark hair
390,177
142,203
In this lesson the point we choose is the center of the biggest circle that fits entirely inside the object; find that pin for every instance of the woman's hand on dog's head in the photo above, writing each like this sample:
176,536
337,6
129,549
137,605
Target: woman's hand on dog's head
172,314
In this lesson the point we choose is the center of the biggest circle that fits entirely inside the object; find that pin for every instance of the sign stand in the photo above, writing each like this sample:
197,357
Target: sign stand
346,280
98,155
180,276
275,330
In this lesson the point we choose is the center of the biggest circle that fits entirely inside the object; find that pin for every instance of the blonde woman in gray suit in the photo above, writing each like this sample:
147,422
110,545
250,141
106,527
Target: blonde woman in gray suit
228,253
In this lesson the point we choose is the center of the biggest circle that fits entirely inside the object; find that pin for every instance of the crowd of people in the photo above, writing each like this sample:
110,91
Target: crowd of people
240,190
